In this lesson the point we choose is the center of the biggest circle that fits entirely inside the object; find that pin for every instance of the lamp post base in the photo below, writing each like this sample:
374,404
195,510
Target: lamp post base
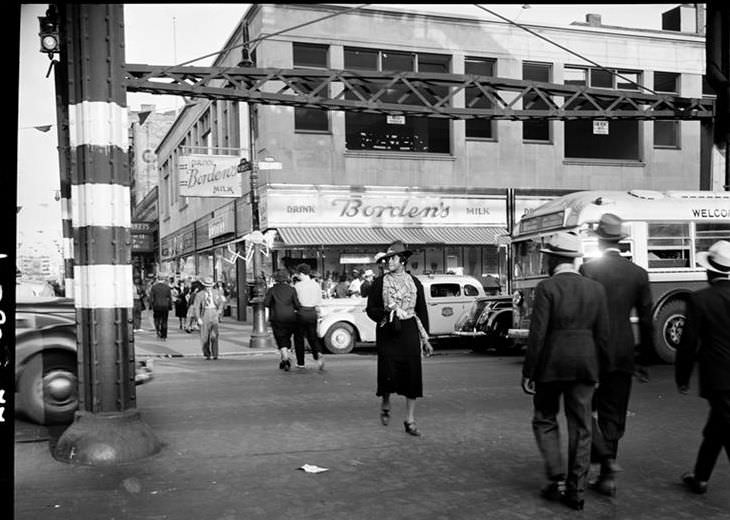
261,340
260,337
104,439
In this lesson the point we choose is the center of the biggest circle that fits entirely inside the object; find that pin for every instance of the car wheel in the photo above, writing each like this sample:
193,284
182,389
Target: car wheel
49,388
669,323
340,338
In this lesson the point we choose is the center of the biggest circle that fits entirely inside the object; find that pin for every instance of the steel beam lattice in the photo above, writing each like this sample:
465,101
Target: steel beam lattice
412,93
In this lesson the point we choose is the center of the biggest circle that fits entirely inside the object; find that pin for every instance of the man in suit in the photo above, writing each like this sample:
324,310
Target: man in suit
706,340
627,288
161,303
565,347
208,308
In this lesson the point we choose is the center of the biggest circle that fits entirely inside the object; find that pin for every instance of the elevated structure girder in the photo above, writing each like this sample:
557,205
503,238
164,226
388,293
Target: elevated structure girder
412,93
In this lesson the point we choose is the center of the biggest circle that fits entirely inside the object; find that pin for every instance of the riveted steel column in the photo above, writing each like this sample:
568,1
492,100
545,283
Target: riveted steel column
107,428
61,72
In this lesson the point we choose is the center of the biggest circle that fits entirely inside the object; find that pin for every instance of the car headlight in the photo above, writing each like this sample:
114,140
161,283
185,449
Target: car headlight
517,298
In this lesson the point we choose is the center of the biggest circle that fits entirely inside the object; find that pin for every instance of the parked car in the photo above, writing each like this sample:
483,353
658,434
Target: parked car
486,323
343,321
46,383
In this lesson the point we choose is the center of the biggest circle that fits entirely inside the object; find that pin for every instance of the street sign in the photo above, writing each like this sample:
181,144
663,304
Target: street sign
269,165
600,127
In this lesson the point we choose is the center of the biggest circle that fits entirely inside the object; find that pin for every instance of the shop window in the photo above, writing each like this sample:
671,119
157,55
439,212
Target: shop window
582,141
397,133
479,128
537,129
311,57
668,245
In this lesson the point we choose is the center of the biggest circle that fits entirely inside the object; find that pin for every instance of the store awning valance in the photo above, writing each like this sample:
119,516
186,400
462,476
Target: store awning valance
319,236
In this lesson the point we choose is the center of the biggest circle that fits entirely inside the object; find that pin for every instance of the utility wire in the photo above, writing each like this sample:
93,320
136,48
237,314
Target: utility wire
613,72
260,38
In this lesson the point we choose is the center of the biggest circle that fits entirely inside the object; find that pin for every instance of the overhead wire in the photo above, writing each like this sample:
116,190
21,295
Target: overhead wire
598,65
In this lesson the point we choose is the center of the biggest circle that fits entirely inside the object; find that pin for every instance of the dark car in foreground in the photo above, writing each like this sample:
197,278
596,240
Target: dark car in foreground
486,323
46,382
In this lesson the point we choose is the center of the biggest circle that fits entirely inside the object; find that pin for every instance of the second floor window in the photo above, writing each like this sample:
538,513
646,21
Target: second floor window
535,129
479,128
393,132
666,133
311,57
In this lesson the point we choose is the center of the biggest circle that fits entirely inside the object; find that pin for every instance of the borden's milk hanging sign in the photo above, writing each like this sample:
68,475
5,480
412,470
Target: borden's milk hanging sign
209,176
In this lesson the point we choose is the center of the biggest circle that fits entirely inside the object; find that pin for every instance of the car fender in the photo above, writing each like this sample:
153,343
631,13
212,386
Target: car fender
495,315
30,342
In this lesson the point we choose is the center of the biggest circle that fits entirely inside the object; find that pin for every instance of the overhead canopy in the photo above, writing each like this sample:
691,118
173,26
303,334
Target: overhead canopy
317,236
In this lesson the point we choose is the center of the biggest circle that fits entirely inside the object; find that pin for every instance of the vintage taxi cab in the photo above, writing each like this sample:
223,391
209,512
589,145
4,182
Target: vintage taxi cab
343,321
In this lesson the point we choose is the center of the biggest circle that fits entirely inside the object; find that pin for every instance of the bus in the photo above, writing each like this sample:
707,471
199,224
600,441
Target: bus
665,232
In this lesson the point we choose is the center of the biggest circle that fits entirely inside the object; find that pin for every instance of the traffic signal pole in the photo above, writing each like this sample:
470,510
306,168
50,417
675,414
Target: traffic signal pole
107,428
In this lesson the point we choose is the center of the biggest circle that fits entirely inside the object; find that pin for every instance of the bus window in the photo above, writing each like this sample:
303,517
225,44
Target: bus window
528,259
707,233
668,245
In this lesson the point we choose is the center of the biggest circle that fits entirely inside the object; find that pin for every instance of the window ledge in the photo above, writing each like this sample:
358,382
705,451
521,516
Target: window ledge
604,162
377,154
316,132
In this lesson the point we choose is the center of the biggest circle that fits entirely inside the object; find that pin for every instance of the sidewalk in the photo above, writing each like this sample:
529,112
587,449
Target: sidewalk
234,340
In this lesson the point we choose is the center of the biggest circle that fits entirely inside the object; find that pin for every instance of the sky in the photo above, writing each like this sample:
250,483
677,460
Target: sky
165,34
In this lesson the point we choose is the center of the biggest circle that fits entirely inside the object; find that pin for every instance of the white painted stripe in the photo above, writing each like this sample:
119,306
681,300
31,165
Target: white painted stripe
103,286
68,285
98,123
68,248
100,205
65,209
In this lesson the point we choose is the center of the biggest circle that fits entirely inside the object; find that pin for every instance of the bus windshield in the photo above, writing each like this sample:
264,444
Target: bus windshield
528,259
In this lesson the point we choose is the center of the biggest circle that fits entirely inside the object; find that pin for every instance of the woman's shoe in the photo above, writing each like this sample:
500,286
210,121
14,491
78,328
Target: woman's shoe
572,501
411,428
385,417
287,365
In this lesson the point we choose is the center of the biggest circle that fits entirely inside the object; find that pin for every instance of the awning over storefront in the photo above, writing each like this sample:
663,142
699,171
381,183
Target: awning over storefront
318,236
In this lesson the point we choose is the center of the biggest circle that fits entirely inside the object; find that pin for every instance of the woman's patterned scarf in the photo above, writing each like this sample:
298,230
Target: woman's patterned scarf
399,292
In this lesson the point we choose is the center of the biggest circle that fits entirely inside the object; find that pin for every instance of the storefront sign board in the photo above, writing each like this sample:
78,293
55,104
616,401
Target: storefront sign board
209,176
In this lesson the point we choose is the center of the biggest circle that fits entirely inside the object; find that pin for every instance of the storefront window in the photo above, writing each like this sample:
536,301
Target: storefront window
205,265
186,267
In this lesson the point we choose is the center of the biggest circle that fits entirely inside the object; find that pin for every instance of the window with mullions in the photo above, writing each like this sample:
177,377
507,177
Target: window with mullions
622,141
668,245
312,57
536,129
707,233
397,133
479,128
666,133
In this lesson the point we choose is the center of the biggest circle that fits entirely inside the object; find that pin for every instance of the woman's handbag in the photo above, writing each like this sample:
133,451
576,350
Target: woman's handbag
391,322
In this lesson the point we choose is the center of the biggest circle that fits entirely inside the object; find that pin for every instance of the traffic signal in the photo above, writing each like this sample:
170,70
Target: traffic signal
50,40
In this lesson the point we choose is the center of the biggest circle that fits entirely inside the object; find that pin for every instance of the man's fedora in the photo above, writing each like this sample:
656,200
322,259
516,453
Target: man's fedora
207,281
610,227
563,243
717,258
396,248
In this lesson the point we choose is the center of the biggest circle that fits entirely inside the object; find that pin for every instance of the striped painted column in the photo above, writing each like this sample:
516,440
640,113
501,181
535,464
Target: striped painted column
61,71
107,428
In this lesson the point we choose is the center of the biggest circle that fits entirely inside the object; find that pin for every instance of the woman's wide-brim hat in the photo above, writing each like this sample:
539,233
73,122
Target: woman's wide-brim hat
717,258
396,248
207,281
610,227
564,244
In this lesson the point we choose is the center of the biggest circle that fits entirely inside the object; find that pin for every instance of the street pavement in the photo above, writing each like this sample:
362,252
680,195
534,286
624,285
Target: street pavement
236,430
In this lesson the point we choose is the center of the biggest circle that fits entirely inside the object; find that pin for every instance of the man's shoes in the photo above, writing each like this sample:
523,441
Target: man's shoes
572,501
207,358
215,357
605,485
695,486
553,491
300,366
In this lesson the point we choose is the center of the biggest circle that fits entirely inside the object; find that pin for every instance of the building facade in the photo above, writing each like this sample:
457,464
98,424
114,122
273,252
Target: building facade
350,183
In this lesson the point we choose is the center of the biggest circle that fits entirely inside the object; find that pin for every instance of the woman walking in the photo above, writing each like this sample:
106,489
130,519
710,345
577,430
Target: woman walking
283,305
397,305
181,305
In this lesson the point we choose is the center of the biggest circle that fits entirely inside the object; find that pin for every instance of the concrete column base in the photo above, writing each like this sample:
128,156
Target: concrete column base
261,340
101,439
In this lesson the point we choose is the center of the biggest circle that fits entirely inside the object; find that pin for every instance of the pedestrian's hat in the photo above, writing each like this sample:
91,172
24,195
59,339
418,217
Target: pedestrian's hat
368,272
610,227
563,243
717,258
282,275
397,248
379,257
304,268
207,281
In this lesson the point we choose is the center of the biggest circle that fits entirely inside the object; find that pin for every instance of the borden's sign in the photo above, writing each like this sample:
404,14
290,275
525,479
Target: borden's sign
209,176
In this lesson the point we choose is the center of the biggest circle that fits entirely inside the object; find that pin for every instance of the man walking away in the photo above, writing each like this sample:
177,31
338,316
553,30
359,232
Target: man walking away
627,287
706,340
565,347
310,298
208,307
161,303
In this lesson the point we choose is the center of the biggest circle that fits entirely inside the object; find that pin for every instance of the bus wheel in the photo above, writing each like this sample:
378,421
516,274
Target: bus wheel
669,322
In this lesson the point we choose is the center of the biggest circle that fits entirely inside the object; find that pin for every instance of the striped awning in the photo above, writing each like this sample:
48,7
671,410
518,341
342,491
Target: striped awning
319,236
